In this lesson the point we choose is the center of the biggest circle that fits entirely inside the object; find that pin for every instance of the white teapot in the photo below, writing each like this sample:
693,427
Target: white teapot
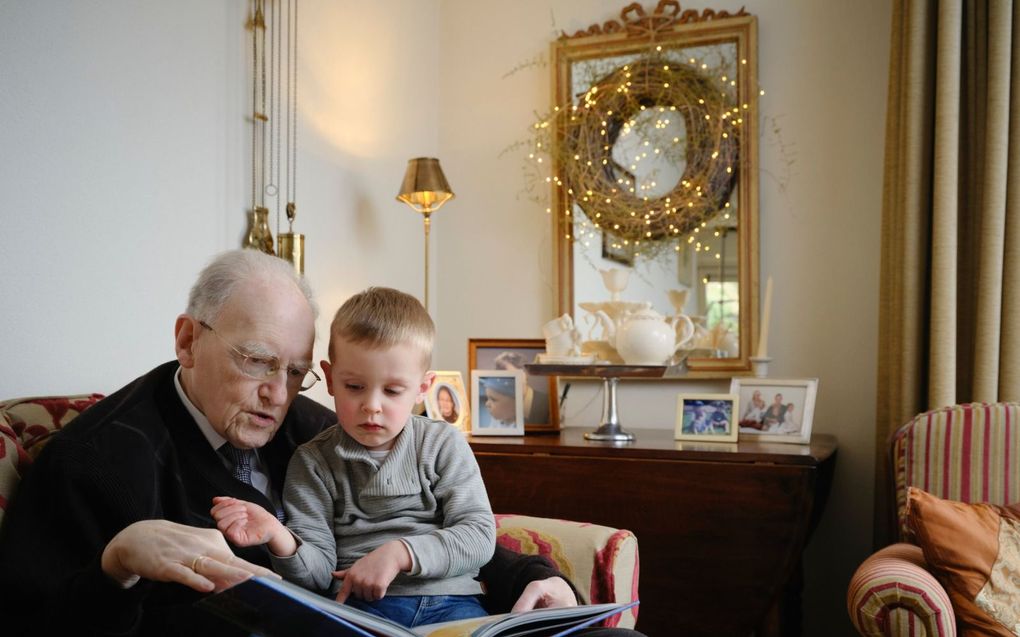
645,337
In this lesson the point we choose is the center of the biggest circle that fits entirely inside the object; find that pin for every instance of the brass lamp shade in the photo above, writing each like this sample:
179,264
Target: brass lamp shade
424,187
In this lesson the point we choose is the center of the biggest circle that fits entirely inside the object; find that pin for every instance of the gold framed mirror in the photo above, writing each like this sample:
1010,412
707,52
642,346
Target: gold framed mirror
655,177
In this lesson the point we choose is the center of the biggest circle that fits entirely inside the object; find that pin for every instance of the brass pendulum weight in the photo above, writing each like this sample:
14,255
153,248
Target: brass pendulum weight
292,245
259,236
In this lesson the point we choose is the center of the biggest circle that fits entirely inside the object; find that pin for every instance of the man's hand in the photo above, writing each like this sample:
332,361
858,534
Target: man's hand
248,524
370,576
545,593
164,551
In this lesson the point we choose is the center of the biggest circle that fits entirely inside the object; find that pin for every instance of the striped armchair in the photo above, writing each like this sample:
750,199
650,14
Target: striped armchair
969,453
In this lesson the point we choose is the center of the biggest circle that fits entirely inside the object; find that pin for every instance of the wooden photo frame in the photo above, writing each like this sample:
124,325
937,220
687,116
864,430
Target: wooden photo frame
541,408
776,410
447,400
497,400
707,417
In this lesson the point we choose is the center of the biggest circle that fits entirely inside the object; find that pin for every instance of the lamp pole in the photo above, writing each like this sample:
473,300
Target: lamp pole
427,214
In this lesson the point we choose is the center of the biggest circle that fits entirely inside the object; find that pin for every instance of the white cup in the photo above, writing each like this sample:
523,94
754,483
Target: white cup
566,343
557,326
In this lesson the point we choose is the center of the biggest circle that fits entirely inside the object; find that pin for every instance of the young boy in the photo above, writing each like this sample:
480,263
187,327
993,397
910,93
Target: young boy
390,503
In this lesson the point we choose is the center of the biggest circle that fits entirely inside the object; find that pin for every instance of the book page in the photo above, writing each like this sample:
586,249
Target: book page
462,628
543,621
276,607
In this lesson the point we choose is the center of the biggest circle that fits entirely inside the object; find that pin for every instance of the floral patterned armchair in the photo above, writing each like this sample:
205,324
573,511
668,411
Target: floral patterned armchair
25,426
601,562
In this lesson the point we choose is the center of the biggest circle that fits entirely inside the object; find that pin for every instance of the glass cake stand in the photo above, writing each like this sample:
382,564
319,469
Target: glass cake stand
610,430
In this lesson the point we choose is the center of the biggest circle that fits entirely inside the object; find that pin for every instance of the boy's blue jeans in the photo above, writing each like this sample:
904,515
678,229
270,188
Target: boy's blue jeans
418,610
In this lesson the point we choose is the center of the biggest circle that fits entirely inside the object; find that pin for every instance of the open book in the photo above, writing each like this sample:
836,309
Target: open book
275,608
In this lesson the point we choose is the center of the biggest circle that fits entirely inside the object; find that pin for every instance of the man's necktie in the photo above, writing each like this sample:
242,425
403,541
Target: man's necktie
242,460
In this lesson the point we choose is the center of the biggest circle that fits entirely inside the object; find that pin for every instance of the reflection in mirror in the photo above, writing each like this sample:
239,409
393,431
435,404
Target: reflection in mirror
655,176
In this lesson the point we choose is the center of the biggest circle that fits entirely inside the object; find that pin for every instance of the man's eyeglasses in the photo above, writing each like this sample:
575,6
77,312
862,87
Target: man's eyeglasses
265,367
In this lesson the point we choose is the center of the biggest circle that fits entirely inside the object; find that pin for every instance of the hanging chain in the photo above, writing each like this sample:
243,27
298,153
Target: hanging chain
258,106
268,157
259,235
256,12
263,117
275,55
292,43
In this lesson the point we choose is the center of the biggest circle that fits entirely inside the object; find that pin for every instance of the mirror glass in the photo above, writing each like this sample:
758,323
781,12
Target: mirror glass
655,178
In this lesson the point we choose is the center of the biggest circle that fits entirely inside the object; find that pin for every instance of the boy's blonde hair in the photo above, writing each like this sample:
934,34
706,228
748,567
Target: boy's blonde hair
383,317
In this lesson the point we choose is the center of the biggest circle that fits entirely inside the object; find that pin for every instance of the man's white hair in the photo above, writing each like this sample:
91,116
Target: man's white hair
218,280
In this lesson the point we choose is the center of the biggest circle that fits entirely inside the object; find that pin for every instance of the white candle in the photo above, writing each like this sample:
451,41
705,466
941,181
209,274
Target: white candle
763,335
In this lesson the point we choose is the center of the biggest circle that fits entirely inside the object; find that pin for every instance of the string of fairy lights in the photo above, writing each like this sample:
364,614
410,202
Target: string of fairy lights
664,108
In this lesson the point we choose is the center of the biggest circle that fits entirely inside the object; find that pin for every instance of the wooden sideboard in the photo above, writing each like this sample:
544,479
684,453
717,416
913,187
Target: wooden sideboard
720,526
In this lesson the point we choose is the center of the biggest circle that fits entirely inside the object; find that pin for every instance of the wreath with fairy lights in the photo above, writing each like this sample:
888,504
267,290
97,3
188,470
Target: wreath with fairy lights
605,190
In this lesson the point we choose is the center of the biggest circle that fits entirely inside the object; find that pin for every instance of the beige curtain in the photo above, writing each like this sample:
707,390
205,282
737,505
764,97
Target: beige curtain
949,310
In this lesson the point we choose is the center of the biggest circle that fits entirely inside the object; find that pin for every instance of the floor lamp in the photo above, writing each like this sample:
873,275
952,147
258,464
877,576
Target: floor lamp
425,190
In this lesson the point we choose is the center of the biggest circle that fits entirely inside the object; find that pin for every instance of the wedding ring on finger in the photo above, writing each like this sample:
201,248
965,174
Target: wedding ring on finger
195,562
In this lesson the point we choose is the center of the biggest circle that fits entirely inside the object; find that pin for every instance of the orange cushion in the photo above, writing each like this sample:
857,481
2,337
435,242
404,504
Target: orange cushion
974,551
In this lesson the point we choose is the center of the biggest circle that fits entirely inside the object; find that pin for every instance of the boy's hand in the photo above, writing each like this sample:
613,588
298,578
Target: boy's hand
248,524
370,576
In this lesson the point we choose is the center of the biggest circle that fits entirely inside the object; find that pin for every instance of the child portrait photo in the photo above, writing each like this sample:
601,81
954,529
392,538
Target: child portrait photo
447,400
497,401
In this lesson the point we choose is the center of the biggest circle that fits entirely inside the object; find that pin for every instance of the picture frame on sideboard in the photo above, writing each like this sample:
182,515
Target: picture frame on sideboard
776,410
541,408
497,401
706,417
447,400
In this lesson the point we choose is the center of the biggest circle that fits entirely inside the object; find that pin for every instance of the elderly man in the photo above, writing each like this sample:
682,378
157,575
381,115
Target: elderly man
110,531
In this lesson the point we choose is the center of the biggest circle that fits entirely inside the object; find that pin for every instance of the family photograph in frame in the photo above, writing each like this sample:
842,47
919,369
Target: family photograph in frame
776,410
706,417
541,409
447,400
497,401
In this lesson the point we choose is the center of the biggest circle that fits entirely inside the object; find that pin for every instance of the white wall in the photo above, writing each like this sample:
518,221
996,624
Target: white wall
125,167
118,179
824,66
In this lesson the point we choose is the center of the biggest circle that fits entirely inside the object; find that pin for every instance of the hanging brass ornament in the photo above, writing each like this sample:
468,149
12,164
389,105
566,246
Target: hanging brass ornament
292,245
259,236
277,20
